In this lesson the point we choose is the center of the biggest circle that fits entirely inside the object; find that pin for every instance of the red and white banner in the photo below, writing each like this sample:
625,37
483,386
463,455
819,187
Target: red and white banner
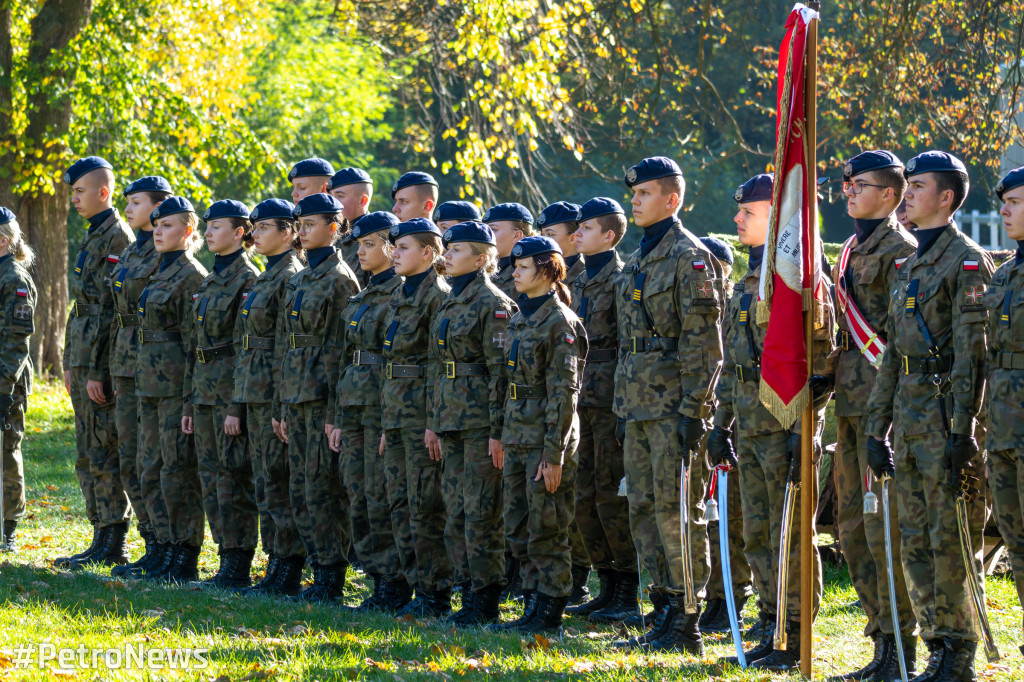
869,343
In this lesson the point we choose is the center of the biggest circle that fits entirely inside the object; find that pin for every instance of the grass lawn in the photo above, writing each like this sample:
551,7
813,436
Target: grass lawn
235,638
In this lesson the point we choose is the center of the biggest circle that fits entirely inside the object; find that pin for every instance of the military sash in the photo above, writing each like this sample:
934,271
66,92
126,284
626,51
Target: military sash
870,344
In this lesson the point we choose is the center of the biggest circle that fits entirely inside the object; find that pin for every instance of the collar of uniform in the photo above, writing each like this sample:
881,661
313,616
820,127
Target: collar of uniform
4,259
165,272
571,261
96,221
110,217
877,235
469,284
504,263
143,237
421,291
382,277
222,264
665,244
606,271
1020,252
546,309
937,248
277,258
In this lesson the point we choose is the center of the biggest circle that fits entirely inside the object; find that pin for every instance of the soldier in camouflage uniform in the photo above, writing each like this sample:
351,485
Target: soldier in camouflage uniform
353,188
545,353
357,420
415,196
310,176
310,333
669,301
466,345
929,389
510,223
87,347
168,473
602,516
222,444
873,185
136,265
412,451
451,213
256,375
18,303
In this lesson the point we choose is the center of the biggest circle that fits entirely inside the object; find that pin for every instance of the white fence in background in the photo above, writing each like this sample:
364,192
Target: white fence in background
984,228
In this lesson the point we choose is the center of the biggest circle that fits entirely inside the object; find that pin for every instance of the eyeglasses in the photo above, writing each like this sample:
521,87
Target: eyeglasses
858,187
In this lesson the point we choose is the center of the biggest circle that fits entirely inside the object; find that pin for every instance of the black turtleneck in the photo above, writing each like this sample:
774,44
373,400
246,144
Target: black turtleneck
1020,251
221,262
756,256
864,228
528,306
653,234
143,236
460,282
382,277
98,219
571,261
274,260
412,283
317,256
168,258
504,263
925,238
597,261
3,258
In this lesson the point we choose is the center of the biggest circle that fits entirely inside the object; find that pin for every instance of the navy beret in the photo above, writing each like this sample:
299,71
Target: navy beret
226,208
469,231
652,168
311,168
83,166
1011,180
7,215
875,159
410,179
559,212
457,210
718,249
757,188
599,206
534,246
273,208
373,222
150,183
414,226
934,162
349,176
317,204
171,206
510,211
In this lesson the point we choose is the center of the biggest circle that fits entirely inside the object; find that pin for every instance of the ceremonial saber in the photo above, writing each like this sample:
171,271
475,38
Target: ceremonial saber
723,546
892,578
4,426
788,507
689,596
977,597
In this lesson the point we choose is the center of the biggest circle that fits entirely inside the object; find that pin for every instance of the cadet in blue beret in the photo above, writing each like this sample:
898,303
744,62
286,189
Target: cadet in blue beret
309,176
559,222
87,352
510,223
415,195
353,187
719,250
452,212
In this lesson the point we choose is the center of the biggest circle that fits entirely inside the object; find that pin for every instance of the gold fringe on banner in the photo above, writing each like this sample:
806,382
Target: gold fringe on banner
786,414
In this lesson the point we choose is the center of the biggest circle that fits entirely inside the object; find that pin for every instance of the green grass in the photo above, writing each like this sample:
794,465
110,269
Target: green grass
256,639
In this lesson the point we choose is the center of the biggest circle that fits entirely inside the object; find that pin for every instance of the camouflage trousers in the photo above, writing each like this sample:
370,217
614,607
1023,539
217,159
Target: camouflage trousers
472,488
356,439
601,514
317,498
425,504
278,532
536,520
763,465
126,418
97,463
168,473
225,472
14,470
360,446
653,459
742,581
1006,483
862,536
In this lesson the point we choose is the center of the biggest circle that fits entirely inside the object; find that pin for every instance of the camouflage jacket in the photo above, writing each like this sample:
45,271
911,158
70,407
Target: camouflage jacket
577,269
593,300
364,317
470,329
165,306
946,285
255,370
18,302
1005,366
87,340
545,354
873,266
404,399
738,389
310,331
215,334
674,322
503,280
350,254
136,265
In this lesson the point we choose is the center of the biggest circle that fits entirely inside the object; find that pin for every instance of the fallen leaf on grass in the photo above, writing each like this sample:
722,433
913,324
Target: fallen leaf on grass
153,613
298,630
5,660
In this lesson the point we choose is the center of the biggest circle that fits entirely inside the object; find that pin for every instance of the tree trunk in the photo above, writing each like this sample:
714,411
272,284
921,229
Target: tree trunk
45,217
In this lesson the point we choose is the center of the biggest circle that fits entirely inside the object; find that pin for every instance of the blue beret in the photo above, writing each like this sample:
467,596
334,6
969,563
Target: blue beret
410,179
1011,180
311,168
349,176
757,188
599,206
171,206
317,204
718,249
373,222
559,212
150,183
457,210
226,208
6,215
534,246
875,159
469,231
83,166
934,162
414,226
273,208
652,168
511,211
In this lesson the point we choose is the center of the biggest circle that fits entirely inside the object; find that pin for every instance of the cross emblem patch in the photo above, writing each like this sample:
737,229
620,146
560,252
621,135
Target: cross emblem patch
706,289
499,340
972,295
23,312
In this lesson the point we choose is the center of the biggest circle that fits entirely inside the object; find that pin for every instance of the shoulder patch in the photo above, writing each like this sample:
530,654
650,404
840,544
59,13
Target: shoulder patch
900,261
23,314
501,314
111,258
22,292
970,265
570,339
699,264
974,294
195,296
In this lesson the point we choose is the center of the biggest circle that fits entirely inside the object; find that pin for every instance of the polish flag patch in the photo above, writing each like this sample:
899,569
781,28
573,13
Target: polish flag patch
22,292
195,296
501,314
970,265
111,258
899,262
699,265
570,339
245,295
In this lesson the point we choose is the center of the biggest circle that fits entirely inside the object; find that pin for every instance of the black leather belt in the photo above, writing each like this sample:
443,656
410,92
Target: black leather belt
364,357
603,355
147,336
85,309
464,369
519,392
127,320
393,371
1008,360
747,373
257,342
642,344
928,365
205,355
304,341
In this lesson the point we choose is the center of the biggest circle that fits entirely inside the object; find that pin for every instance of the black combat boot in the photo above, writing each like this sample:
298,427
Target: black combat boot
160,564
513,581
328,584
958,663
114,549
395,595
233,572
10,526
606,576
881,651
622,604
65,561
186,565
529,608
657,625
783,659
429,604
888,669
484,607
288,582
936,655
681,633
466,605
372,600
764,646
580,589
547,615
712,607
643,620
719,622
273,566
140,564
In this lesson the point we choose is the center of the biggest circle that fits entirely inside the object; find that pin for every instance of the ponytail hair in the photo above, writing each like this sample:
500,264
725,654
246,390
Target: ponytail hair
551,267
247,239
21,251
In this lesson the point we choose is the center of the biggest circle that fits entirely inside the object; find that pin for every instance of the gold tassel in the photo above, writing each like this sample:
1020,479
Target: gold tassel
785,414
763,311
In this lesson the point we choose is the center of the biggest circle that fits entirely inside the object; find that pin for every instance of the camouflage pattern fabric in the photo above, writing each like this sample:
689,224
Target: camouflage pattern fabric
18,301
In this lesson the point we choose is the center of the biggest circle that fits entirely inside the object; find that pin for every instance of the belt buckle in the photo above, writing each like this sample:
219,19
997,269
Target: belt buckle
633,339
449,370
141,340
245,342
739,372
906,364
846,340
76,309
512,392
199,355
356,358
291,340
388,374
120,322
